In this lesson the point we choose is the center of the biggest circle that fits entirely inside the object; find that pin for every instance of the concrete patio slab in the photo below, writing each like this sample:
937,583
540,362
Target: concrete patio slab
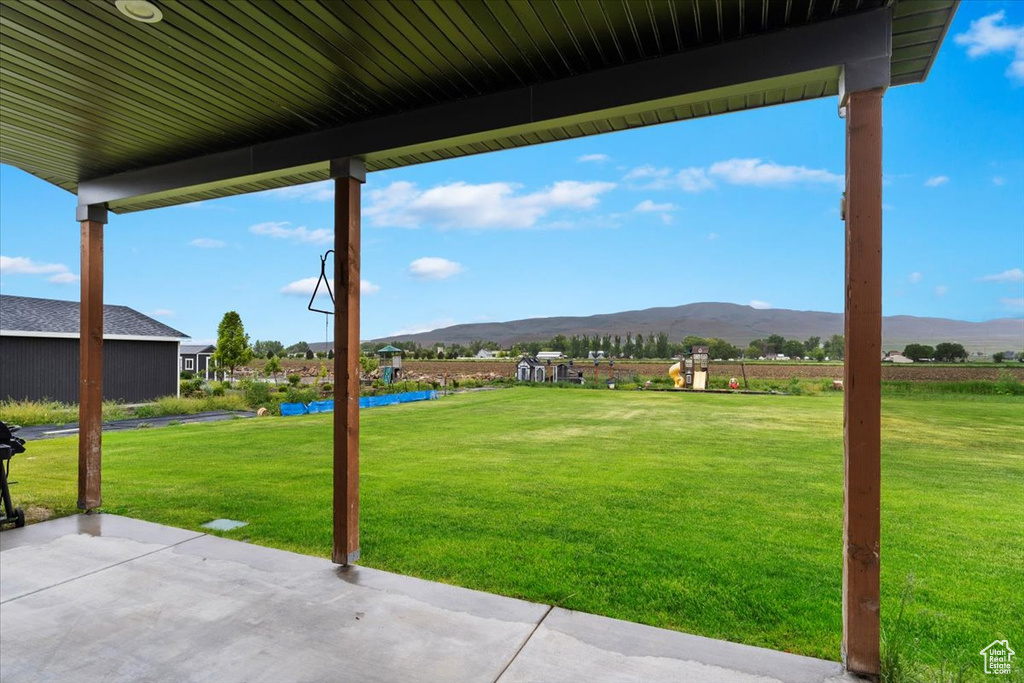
107,598
573,646
68,548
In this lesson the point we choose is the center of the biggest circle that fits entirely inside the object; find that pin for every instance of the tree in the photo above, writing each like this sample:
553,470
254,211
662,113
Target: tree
793,348
272,367
296,349
629,348
998,357
835,347
309,354
232,343
755,349
774,344
916,352
661,346
266,349
691,340
811,344
950,352
719,348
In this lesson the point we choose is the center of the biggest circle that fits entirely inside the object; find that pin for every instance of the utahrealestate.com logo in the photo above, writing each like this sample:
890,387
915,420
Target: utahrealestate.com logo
997,657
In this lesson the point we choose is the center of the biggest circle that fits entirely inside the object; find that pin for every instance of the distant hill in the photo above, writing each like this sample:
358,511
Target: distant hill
734,323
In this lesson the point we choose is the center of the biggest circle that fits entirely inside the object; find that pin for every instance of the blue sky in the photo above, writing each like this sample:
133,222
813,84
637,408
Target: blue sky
740,208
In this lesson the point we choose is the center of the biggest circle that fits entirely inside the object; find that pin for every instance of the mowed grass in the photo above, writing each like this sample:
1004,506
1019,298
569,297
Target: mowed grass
719,515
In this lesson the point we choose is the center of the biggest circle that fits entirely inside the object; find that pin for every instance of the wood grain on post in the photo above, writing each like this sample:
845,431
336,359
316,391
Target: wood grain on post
90,369
346,370
862,405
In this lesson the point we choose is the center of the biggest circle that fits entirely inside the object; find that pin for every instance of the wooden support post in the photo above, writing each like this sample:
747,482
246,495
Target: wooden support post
862,375
349,174
90,367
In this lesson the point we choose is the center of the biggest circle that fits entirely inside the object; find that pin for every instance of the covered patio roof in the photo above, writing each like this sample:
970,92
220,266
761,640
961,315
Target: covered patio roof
224,98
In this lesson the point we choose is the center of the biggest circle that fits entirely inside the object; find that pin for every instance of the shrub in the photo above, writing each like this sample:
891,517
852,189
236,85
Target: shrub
327,387
294,380
187,374
296,395
257,394
217,390
192,387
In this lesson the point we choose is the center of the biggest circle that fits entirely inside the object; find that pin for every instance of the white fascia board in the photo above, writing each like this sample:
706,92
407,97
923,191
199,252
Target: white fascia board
74,335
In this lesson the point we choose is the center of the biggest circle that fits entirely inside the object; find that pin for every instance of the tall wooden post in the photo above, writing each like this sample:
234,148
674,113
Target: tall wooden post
862,404
349,175
90,368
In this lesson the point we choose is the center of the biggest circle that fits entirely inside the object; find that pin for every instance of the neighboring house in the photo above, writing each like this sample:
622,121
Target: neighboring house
39,354
484,353
896,357
592,355
550,355
197,359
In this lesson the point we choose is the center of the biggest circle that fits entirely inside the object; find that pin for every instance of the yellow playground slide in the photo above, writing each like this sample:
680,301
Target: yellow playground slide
676,373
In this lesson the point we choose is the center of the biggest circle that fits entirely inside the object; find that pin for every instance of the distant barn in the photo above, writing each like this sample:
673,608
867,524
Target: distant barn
39,352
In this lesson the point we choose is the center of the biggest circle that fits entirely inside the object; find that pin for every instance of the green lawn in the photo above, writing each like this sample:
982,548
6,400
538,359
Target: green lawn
714,514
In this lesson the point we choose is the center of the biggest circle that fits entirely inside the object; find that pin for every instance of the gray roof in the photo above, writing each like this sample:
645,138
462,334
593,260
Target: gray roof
28,314
193,349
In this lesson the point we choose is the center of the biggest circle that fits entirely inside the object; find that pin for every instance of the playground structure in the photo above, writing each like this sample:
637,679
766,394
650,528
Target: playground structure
390,363
691,372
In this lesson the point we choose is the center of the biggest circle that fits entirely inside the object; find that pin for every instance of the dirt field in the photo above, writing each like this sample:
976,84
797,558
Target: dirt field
917,372
485,369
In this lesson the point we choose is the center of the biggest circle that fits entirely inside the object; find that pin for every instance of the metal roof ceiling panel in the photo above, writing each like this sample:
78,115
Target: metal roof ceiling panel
88,95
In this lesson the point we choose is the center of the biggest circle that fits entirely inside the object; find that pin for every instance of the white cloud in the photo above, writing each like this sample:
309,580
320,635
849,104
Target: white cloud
434,268
207,243
760,305
593,158
915,277
163,313
998,180
1012,275
693,180
935,181
989,35
416,328
20,265
1014,303
648,206
941,290
306,285
732,171
487,205
280,230
712,236
764,174
321,191
648,177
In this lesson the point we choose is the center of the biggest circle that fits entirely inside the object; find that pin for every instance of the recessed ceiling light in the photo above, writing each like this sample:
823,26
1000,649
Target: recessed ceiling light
140,10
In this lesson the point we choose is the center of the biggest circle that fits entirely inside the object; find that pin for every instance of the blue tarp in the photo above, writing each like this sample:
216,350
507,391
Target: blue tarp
364,402
322,406
392,399
292,409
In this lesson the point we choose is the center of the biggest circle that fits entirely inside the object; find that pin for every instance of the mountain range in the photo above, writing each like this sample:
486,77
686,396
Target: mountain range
736,324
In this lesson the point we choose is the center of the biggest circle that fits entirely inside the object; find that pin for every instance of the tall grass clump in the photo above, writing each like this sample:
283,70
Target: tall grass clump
46,412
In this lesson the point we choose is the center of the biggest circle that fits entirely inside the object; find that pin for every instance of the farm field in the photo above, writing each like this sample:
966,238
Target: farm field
923,372
718,515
